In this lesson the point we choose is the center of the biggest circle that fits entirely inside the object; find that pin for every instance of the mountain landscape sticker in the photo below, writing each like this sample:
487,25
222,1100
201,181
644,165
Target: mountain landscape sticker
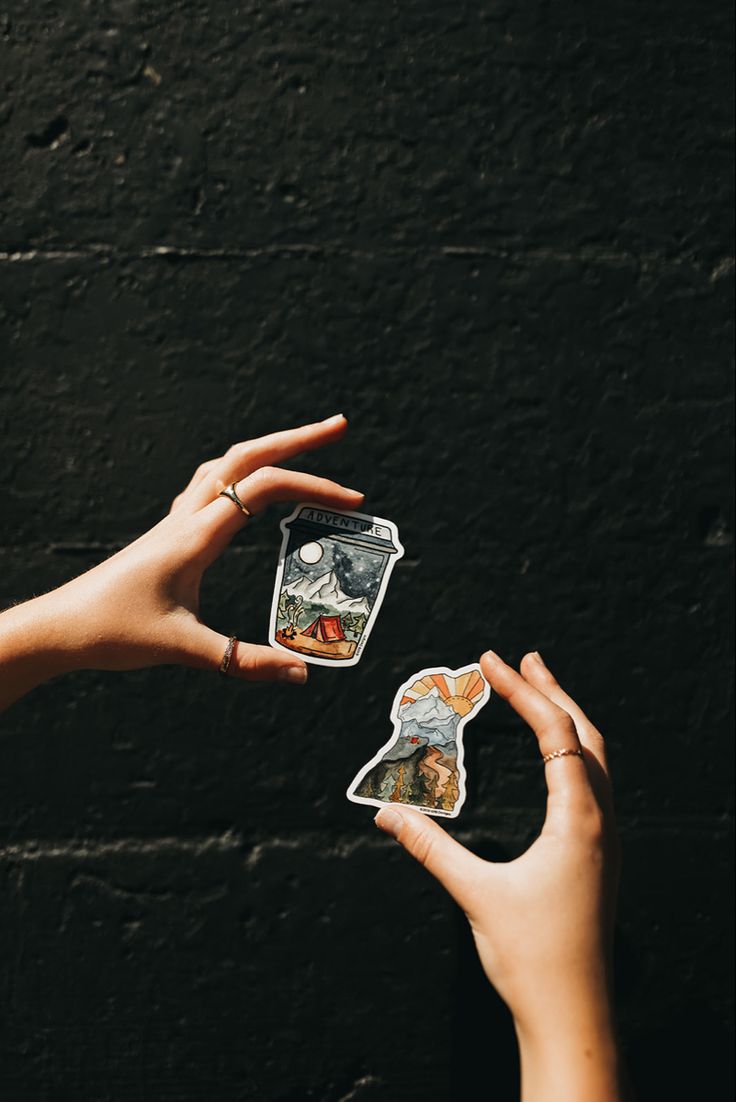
333,571
422,763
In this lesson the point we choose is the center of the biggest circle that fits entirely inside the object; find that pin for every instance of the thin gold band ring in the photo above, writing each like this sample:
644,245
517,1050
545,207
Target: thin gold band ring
232,493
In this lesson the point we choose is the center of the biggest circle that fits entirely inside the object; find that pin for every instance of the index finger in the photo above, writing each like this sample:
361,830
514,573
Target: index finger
568,783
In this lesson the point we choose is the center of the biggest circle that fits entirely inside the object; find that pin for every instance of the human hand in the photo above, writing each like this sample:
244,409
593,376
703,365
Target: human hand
543,923
141,606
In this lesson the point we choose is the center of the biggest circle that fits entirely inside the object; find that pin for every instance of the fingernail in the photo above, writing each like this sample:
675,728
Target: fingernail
334,419
358,492
389,822
537,655
295,675
491,656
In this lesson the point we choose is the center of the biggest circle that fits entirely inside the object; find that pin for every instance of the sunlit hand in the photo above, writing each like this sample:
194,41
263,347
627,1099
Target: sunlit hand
141,606
543,923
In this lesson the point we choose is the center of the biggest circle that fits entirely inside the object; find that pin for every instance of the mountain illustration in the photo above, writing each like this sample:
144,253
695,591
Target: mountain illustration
326,591
429,709
420,766
429,720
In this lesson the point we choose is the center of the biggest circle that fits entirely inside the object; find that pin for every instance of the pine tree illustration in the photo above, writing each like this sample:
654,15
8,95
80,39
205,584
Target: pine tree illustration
451,794
418,790
385,790
396,794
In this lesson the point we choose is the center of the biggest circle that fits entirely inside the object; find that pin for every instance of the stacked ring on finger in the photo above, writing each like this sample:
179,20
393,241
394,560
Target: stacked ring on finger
228,655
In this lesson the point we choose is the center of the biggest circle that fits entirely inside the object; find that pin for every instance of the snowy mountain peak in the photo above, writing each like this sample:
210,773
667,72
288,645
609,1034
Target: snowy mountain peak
429,709
326,591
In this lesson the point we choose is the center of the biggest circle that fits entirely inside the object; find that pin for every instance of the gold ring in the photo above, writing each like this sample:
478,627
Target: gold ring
560,754
227,656
232,493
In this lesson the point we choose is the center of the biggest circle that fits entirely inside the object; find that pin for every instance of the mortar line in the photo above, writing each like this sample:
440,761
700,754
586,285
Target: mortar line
314,841
718,266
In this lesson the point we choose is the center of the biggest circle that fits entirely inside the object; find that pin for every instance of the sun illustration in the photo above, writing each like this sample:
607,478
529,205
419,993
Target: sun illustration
462,693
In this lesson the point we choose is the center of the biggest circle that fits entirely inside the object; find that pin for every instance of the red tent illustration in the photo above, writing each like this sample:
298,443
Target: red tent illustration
326,629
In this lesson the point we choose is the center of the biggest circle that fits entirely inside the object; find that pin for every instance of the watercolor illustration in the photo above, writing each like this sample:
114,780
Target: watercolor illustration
422,764
333,572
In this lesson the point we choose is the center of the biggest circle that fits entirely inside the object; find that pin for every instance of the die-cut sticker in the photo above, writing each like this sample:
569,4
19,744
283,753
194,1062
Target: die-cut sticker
333,572
422,764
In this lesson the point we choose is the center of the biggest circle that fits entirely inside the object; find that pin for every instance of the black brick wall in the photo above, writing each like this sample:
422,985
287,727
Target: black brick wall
497,236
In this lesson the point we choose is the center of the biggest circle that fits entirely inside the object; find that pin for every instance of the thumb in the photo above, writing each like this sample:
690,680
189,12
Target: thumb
456,868
205,649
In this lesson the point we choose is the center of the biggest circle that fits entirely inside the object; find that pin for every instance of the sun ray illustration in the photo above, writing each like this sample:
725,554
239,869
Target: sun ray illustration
462,693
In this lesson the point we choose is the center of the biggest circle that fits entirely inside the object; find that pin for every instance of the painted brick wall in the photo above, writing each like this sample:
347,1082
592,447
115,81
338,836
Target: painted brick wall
497,236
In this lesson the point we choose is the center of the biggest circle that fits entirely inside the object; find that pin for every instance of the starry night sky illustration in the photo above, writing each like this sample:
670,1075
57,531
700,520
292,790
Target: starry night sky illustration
358,572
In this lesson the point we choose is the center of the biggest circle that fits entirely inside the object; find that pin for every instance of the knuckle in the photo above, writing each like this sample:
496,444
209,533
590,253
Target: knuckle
591,824
248,666
559,725
566,725
265,477
420,846
596,741
563,720
242,451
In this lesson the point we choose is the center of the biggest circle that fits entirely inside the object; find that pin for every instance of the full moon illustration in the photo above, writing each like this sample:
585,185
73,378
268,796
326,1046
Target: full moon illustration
310,552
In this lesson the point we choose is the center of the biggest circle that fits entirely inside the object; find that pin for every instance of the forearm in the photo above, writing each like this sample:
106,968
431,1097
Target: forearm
571,1055
35,645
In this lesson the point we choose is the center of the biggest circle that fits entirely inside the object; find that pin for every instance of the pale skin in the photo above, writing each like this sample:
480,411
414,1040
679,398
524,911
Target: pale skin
543,923
141,606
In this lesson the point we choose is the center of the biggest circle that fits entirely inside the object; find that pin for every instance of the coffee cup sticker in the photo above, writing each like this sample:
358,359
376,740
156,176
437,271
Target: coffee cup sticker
333,572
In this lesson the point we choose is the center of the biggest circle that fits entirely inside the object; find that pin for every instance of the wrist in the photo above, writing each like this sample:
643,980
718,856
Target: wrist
36,644
569,1053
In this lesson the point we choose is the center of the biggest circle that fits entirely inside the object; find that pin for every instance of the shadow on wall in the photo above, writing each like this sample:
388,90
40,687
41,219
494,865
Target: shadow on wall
687,1055
484,1048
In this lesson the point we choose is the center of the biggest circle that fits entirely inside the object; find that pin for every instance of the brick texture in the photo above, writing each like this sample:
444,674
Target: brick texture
498,237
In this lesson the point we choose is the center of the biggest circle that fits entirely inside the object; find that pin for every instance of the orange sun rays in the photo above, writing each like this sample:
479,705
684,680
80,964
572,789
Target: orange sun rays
461,693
